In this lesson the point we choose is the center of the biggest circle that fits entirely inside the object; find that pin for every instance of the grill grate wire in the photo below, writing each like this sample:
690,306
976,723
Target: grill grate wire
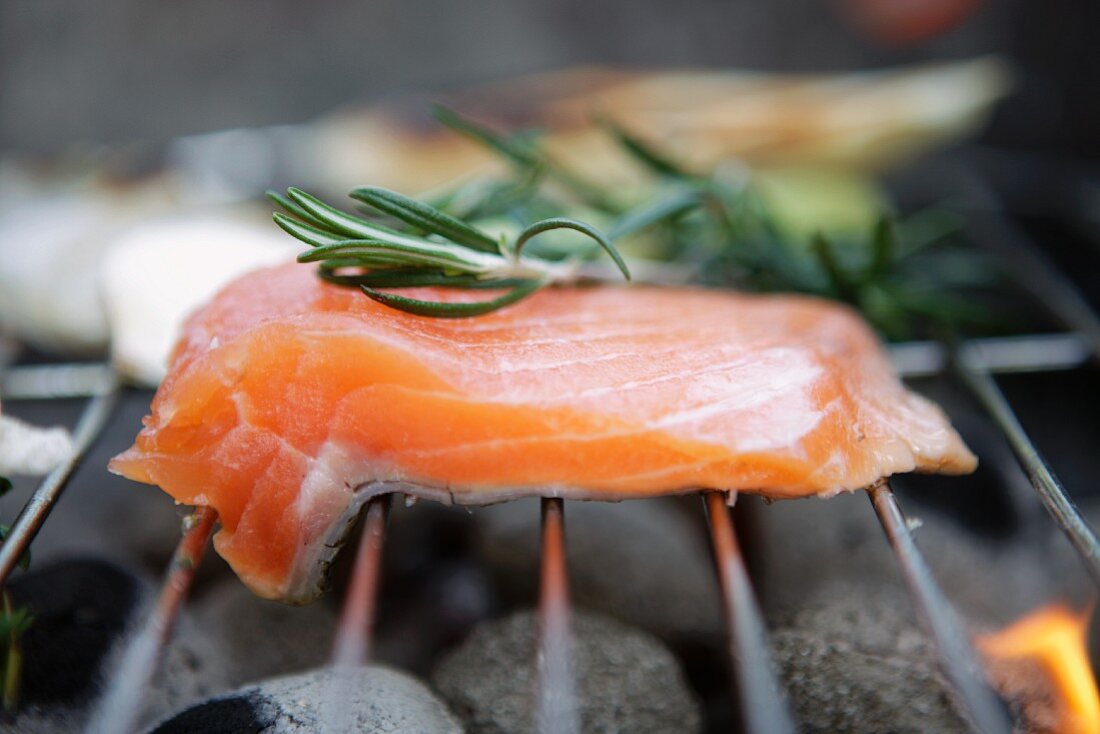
88,429
1050,489
757,685
957,657
556,707
120,707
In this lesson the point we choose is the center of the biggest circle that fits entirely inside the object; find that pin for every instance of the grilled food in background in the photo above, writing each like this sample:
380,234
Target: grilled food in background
810,139
89,262
865,120
54,229
291,401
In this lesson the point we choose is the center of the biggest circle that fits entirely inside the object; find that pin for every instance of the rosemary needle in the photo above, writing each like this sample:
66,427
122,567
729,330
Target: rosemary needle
899,275
357,252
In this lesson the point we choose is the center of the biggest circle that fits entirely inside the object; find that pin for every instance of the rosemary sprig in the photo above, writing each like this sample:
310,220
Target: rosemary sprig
14,622
886,276
435,249
523,151
901,275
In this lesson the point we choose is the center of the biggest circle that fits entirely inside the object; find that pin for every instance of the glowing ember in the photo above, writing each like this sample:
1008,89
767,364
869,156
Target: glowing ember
1054,639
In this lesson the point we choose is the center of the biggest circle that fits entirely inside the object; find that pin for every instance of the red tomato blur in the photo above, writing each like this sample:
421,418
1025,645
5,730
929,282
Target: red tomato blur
907,22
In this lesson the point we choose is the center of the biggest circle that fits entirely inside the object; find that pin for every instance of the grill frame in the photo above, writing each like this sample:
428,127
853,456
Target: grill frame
764,710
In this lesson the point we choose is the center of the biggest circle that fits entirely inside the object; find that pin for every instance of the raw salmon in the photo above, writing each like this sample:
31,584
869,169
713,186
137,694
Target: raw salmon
290,402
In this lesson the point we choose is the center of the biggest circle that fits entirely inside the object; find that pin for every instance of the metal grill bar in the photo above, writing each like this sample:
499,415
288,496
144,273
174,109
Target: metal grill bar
763,709
352,644
1032,353
1050,490
959,661
1028,353
34,513
55,381
119,710
556,709
1033,270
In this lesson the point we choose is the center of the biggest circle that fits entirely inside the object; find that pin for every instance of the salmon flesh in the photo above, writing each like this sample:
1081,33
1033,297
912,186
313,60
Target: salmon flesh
290,402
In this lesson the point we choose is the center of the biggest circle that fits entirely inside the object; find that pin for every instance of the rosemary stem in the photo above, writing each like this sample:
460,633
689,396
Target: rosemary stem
526,268
13,665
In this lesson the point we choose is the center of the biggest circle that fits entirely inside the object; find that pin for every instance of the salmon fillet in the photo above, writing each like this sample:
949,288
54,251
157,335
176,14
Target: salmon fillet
290,402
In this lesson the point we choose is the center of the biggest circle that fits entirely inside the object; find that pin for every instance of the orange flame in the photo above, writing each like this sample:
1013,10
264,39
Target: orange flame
1054,637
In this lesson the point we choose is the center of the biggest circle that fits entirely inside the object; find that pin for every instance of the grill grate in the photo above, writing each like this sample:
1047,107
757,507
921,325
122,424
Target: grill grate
757,687
91,424
757,684
1050,490
955,652
556,710
352,645
121,705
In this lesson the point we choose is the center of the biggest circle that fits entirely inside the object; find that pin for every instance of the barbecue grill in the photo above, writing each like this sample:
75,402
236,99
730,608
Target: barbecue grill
759,695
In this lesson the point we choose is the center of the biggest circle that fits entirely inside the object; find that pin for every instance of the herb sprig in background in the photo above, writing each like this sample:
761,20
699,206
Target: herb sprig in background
908,276
14,622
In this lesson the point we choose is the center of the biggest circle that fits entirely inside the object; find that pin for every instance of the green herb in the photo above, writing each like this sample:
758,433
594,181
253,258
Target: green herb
523,151
14,622
904,275
436,249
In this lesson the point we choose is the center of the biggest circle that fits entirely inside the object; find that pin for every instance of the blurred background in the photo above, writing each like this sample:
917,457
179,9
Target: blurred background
120,71
137,139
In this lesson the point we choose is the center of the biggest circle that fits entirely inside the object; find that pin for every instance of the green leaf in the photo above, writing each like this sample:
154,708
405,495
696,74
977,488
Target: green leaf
5,486
337,221
524,153
306,233
882,310
648,214
883,247
290,207
657,162
425,217
927,227
453,310
564,223
372,252
944,307
519,151
823,248
415,277
14,624
954,267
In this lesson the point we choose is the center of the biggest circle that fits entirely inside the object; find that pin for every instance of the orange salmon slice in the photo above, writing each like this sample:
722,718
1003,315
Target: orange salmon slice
290,402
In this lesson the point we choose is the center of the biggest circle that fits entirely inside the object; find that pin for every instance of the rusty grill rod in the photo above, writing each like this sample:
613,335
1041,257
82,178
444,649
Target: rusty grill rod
1050,489
764,710
352,645
957,656
556,708
34,513
120,708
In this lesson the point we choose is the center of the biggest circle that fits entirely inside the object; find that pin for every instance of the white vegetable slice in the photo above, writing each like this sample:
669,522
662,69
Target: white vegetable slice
53,233
155,274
